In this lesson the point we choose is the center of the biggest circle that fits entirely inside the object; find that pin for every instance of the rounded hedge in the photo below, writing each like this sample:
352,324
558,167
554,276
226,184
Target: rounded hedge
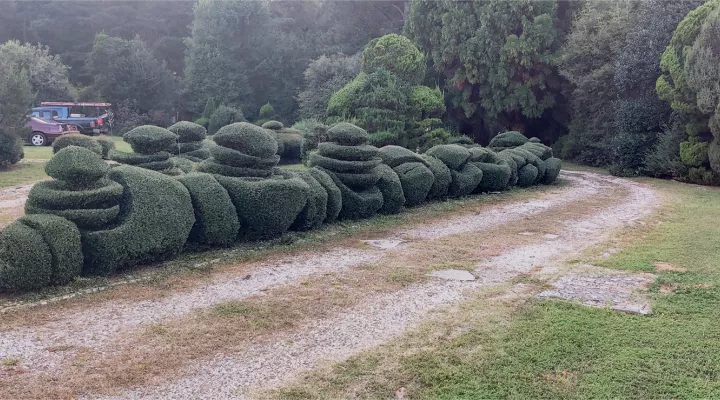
357,204
495,177
59,195
291,147
216,222
391,188
157,165
182,163
347,134
334,202
63,239
188,147
442,174
362,152
266,207
465,181
396,155
155,222
315,211
527,175
25,258
336,165
358,180
508,139
510,162
137,158
480,154
397,54
234,158
76,165
106,144
84,218
211,167
188,132
417,180
534,140
79,140
149,139
552,170
453,155
273,125
247,138
538,149
197,155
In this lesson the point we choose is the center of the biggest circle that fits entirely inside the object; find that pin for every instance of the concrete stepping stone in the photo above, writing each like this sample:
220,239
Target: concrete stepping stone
453,275
384,243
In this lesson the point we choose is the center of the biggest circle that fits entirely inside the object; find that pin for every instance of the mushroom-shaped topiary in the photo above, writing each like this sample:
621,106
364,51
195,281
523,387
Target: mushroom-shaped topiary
77,140
190,142
80,193
151,144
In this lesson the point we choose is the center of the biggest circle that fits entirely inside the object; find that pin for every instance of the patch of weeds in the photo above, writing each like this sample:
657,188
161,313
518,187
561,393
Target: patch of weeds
157,329
236,308
10,362
453,265
402,276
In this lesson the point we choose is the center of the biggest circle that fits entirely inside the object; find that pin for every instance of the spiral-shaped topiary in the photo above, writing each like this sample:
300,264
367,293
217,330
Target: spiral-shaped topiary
150,144
190,141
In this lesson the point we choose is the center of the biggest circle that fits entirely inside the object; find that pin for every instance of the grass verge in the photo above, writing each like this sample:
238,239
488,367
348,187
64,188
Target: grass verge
548,349
22,173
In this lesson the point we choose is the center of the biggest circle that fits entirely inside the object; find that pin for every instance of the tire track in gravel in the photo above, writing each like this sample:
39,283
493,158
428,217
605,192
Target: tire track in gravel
266,365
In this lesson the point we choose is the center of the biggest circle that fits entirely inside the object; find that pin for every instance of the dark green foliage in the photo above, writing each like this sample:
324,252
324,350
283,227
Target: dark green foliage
76,165
442,174
348,153
77,140
106,145
334,199
198,155
216,222
203,122
267,111
540,150
157,165
714,155
461,140
25,258
465,180
149,139
212,167
552,171
337,165
188,132
629,150
483,155
247,138
453,155
529,158
315,211
358,204
291,146
11,148
357,180
137,158
188,147
396,54
209,109
391,189
314,133
154,223
63,240
266,207
508,139
396,155
417,180
507,159
347,134
527,175
85,218
273,125
59,195
323,77
184,164
495,177
234,158
534,140
223,116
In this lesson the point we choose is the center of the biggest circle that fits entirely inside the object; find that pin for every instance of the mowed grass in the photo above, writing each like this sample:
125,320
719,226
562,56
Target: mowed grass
45,152
552,349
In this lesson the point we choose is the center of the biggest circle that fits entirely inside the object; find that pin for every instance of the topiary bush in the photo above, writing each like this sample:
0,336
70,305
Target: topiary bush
273,125
508,140
527,175
290,141
79,140
25,258
396,54
417,180
216,222
63,240
315,211
151,145
396,155
465,180
188,132
247,138
391,189
552,171
267,112
442,175
453,155
107,144
495,177
11,148
224,116
155,222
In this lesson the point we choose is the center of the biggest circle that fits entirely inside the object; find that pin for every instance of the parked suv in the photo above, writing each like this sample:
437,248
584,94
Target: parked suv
43,131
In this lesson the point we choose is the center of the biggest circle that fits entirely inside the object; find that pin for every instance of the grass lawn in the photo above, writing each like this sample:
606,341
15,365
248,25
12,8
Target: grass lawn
553,349
45,152
21,173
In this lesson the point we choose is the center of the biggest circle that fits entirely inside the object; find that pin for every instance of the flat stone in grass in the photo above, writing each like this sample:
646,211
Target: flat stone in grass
453,275
384,244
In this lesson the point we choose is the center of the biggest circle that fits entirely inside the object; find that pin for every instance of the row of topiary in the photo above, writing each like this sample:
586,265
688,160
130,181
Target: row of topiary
96,219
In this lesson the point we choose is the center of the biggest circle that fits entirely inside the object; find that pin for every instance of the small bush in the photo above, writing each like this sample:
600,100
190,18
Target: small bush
465,180
25,258
552,171
508,139
347,134
79,140
527,175
315,211
396,155
76,165
63,240
347,153
234,158
188,132
273,125
694,154
267,112
266,207
538,149
155,222
442,175
417,180
334,199
149,139
216,222
11,148
495,177
453,155
391,189
224,116
247,138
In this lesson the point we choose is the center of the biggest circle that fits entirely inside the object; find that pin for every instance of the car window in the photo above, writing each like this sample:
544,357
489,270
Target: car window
36,114
54,114
46,114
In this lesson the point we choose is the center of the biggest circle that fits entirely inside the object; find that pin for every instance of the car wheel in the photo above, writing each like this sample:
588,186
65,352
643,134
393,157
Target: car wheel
38,139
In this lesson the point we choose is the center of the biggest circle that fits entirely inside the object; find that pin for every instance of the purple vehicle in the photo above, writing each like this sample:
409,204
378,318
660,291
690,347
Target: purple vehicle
44,132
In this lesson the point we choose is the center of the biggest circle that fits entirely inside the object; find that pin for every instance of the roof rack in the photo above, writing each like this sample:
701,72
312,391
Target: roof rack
70,104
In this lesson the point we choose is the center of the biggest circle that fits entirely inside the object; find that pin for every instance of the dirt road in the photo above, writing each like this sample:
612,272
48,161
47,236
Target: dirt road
257,325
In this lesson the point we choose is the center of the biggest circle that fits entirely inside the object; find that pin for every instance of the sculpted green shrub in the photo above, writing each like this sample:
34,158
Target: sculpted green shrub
396,155
151,145
223,116
508,140
464,180
188,132
315,211
273,125
106,144
156,219
527,175
25,258
216,222
63,240
552,171
77,140
391,189
334,200
507,159
417,180
495,177
442,175
11,147
453,155
397,54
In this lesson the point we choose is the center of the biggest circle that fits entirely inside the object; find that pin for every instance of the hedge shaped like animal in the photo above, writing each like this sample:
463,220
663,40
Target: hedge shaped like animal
150,145
351,163
189,144
267,202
